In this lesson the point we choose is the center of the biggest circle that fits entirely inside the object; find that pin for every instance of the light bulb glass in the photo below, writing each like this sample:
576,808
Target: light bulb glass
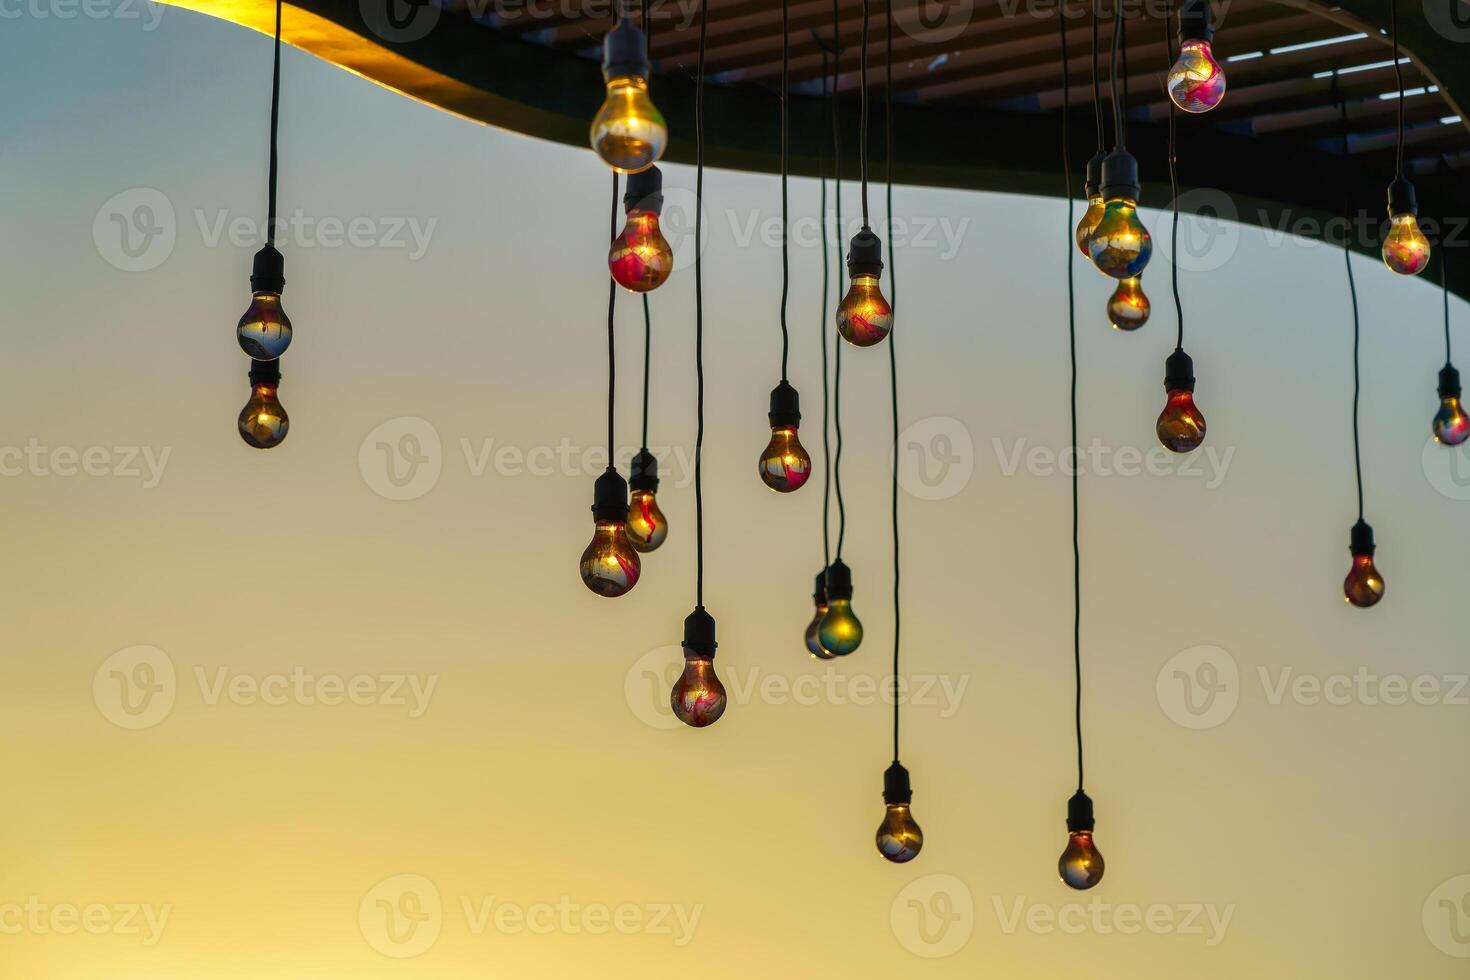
264,331
1120,246
784,463
1363,586
698,697
1405,250
1128,308
1181,426
864,317
1088,223
1451,425
628,133
1196,82
610,566
899,837
640,258
647,525
814,636
263,420
840,632
1081,864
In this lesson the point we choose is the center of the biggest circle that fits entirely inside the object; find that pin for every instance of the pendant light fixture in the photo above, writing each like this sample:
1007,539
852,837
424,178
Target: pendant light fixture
1405,249
785,464
647,526
864,316
1363,586
628,132
1120,245
698,697
813,635
899,838
640,258
610,566
1196,81
264,332
1181,425
1081,863
1451,426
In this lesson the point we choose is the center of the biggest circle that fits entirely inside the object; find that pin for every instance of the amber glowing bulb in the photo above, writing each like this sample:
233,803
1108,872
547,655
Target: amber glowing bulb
1092,186
784,463
610,566
1128,308
1081,863
840,632
1196,82
647,525
1363,586
1451,426
628,133
263,421
814,628
1405,249
264,331
698,697
640,258
864,317
899,838
1120,246
1181,425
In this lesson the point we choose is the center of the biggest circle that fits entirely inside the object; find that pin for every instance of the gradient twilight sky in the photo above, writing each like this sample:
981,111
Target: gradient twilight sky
528,787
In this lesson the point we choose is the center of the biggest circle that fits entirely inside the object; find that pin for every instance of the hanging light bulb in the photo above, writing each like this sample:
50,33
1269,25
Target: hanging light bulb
610,566
1081,864
1196,82
785,464
1181,425
899,838
864,317
814,628
640,258
1128,308
1405,249
840,632
1090,219
1363,586
1120,245
1451,425
263,421
647,525
628,133
264,331
698,697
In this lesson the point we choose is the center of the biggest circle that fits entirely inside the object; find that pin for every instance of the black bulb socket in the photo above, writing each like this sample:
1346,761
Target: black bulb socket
643,473
865,254
610,497
1079,814
265,373
268,272
625,52
819,591
1401,198
1092,185
645,191
699,635
785,406
896,788
1449,382
839,581
1362,540
1120,176
1196,21
1179,371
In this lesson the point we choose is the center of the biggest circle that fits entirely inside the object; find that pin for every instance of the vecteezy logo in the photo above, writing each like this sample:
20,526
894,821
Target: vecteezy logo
402,458
1447,917
135,230
936,458
1447,468
401,916
677,222
1199,687
399,21
934,21
934,916
135,687
1209,233
647,684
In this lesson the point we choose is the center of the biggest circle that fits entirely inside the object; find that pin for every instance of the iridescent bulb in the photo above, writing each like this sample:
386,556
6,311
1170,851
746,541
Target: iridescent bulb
265,330
1088,223
784,464
1363,586
1405,250
840,632
1451,425
864,318
610,566
640,258
1081,864
628,132
698,697
1196,82
1128,309
899,837
1181,426
1120,246
263,420
647,525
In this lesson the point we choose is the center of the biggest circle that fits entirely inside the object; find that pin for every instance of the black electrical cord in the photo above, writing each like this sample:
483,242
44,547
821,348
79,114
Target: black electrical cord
1072,341
647,360
1097,99
824,334
837,347
1173,181
612,350
863,114
1119,134
785,207
1398,74
270,219
1444,290
892,347
699,308
1347,258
